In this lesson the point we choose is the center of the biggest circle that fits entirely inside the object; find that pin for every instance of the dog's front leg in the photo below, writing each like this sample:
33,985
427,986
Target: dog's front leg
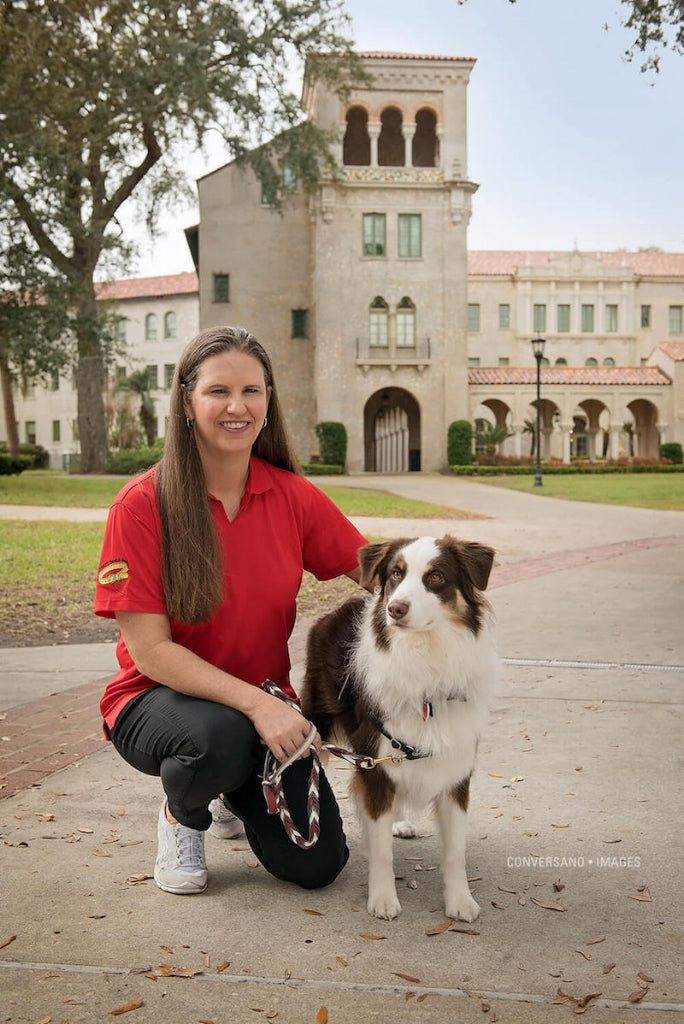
452,817
382,891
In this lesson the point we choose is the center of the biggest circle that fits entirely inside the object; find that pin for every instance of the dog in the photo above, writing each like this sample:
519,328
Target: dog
407,673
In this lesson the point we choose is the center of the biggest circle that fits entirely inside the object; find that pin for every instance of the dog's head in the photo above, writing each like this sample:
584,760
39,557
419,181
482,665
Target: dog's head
425,580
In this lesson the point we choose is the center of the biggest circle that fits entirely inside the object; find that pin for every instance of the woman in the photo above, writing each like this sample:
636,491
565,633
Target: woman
201,565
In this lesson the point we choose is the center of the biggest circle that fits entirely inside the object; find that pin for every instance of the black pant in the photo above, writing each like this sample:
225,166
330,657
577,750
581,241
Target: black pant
201,749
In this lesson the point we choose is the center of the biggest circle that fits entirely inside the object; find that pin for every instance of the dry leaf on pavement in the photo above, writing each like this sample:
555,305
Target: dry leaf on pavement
135,1004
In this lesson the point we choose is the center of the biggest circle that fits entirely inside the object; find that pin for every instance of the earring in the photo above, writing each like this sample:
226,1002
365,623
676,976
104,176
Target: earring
188,422
265,422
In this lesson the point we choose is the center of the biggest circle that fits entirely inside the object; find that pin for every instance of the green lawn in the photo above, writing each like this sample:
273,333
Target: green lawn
643,490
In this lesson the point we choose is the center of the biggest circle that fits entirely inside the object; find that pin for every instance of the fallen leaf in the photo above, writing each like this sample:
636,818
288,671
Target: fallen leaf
166,949
167,971
322,1016
592,942
373,936
6,942
407,977
315,913
503,888
341,962
135,1004
485,1007
558,886
101,853
637,996
644,896
646,978
497,906
465,931
587,956
439,928
517,778
94,917
609,841
493,775
87,831
560,826
132,842
222,967
547,904
490,807
423,997
139,876
607,968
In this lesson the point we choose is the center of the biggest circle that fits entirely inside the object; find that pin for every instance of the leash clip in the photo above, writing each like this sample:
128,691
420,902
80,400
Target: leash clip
372,762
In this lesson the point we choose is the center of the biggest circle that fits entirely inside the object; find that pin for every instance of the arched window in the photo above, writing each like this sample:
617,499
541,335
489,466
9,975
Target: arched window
561,362
151,327
609,361
591,361
391,151
377,322
406,323
356,144
170,325
425,144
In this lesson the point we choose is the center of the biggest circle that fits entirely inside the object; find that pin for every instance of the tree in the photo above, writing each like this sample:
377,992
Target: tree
491,435
138,383
99,99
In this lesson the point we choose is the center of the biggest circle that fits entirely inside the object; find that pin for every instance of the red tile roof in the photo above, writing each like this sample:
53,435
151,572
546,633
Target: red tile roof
644,264
394,55
673,349
148,287
606,375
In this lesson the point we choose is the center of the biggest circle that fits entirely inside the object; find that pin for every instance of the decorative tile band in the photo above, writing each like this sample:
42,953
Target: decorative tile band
393,175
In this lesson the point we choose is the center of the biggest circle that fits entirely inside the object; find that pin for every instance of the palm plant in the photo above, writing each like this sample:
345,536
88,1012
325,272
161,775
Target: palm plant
138,383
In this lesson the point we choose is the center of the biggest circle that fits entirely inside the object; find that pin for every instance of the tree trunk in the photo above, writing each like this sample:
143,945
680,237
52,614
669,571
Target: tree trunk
92,424
8,406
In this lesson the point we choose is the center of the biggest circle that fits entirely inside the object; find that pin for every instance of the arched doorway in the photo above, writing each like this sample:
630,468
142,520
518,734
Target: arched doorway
391,431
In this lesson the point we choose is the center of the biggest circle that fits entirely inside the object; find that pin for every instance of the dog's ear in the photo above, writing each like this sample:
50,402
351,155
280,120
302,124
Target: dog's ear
374,560
478,560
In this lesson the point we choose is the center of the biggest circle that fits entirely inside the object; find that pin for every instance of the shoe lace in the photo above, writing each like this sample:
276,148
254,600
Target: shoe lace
190,848
222,814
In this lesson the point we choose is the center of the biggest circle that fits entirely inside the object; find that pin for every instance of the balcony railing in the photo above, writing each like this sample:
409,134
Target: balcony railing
370,353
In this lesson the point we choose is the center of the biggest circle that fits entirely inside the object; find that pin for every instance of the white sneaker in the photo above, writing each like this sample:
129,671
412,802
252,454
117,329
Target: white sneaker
180,866
225,824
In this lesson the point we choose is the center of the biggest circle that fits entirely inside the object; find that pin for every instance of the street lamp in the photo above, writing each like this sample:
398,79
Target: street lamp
538,350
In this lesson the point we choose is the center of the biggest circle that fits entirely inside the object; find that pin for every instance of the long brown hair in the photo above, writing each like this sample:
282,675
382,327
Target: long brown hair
191,558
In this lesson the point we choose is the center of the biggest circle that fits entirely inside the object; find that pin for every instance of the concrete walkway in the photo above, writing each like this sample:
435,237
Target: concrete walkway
575,806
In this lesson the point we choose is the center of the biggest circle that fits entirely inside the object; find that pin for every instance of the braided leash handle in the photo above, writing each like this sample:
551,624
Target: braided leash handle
272,783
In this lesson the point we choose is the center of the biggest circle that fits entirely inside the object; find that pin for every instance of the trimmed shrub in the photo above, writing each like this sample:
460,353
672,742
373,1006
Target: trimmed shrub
129,461
460,443
39,457
672,450
332,437
320,469
13,465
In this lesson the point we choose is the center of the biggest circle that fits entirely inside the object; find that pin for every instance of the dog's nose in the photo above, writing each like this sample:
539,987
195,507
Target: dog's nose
398,610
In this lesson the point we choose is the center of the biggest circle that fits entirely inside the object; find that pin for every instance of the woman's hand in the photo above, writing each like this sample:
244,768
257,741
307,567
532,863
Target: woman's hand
282,729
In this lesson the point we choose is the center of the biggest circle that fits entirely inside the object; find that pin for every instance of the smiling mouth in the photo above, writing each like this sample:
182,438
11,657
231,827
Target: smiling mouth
235,426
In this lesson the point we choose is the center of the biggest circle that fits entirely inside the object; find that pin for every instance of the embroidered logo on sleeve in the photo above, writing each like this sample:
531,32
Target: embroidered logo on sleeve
113,572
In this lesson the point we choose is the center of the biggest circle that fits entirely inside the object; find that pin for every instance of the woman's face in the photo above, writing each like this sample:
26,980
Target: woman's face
229,403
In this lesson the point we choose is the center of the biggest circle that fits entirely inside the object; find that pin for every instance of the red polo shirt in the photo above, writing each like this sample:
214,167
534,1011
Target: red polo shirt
285,525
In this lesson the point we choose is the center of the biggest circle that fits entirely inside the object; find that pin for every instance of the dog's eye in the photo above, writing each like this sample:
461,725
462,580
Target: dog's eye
435,578
396,573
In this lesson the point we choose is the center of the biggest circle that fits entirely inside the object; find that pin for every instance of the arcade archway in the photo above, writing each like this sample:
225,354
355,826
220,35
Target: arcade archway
391,431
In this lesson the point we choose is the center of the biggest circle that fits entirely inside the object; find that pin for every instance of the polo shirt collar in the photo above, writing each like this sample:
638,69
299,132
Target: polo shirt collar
259,479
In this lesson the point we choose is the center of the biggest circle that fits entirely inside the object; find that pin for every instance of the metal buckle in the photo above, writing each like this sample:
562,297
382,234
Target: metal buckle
371,762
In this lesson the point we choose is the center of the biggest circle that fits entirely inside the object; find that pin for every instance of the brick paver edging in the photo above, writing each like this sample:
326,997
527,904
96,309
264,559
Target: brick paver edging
42,736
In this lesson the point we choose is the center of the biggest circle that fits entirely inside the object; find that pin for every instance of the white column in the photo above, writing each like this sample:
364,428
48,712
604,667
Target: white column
374,134
408,131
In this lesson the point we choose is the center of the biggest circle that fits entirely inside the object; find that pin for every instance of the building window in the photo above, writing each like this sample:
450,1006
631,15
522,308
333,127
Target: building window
473,316
151,327
30,429
289,176
591,361
410,234
504,361
561,361
645,316
56,431
121,329
563,318
378,317
609,361
169,370
424,151
54,380
406,323
221,288
504,314
374,234
356,148
152,377
611,323
170,325
119,373
587,318
299,323
391,151
75,435
473,360
675,320
539,317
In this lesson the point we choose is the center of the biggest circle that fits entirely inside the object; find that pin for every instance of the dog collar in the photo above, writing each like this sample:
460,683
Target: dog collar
409,752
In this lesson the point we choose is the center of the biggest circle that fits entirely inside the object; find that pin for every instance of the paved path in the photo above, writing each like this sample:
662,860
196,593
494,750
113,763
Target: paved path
574,803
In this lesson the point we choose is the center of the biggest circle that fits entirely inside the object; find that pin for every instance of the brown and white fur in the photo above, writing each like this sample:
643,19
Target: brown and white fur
419,655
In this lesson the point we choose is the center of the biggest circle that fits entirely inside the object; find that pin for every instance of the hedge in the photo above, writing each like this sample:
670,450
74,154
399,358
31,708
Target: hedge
321,469
672,450
333,442
460,443
12,465
129,461
39,457
559,469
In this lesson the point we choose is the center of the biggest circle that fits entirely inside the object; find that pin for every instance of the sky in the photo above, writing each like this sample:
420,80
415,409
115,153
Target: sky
571,145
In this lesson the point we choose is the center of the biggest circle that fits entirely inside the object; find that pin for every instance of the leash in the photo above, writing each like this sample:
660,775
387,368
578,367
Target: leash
272,781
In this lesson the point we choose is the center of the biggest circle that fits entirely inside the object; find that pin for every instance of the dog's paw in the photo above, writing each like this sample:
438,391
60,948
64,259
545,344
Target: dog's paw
404,829
463,908
384,905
